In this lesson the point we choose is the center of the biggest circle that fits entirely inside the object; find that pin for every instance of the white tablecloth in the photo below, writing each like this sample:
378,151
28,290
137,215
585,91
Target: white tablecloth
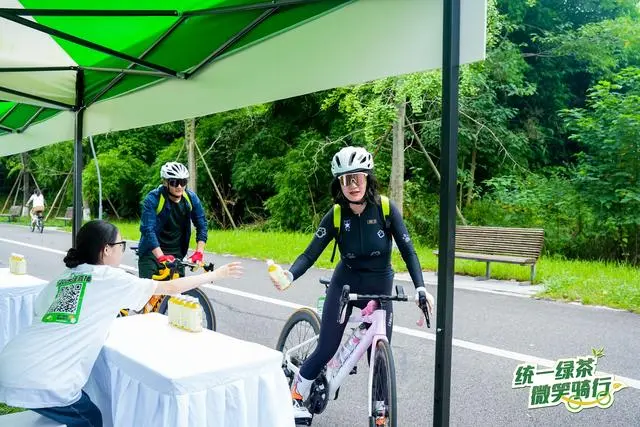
17,295
152,374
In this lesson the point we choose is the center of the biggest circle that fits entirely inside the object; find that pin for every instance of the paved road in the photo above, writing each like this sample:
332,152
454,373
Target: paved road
493,333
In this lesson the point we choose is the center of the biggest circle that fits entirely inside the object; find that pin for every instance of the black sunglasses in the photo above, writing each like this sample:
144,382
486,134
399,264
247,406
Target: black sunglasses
123,243
175,182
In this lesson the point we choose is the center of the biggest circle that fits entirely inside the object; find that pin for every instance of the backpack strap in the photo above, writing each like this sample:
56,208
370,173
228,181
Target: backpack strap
161,202
384,201
336,224
336,217
188,199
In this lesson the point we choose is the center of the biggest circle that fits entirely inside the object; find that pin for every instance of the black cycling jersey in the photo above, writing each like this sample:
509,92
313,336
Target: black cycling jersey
365,245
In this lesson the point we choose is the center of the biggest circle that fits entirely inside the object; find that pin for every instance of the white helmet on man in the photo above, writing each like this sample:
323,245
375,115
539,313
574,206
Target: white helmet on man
174,170
351,159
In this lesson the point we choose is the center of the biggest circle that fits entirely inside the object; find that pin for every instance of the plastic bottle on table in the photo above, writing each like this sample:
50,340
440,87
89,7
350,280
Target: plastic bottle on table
190,311
182,309
193,314
171,310
197,315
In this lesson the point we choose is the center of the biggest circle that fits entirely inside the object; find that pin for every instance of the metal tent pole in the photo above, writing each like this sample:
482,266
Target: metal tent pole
95,159
448,171
77,157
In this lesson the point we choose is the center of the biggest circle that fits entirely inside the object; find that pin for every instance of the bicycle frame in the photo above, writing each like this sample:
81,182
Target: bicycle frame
376,332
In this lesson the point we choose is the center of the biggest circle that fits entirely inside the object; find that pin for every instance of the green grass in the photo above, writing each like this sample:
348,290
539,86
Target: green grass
589,282
4,409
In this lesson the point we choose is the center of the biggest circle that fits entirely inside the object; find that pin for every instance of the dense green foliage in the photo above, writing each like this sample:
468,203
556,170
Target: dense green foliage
549,137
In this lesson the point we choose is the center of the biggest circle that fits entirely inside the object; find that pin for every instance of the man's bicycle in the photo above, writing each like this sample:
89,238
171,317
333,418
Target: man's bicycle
299,338
160,303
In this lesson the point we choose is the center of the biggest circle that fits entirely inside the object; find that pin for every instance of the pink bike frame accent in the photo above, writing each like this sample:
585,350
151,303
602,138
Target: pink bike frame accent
377,331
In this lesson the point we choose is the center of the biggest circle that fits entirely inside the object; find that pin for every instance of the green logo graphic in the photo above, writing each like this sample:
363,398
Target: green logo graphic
572,381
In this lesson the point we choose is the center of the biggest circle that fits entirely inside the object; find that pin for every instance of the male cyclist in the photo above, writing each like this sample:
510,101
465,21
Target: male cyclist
37,208
165,227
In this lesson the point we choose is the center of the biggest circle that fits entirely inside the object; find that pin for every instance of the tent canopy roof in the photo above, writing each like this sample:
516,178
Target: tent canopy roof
137,63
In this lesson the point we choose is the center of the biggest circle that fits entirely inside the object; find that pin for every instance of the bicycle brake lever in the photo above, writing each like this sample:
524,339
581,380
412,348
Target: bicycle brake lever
424,306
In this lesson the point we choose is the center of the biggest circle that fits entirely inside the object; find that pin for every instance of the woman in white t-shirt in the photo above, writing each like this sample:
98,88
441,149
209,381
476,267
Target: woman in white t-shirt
45,367
37,200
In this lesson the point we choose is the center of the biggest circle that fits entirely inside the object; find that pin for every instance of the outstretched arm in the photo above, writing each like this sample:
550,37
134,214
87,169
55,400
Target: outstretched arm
183,284
324,234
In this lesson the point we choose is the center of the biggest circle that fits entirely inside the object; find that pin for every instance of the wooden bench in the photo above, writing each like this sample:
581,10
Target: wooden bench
68,215
14,212
27,419
499,244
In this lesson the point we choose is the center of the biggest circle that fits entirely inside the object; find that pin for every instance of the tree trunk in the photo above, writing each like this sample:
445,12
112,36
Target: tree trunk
472,174
432,165
15,187
215,187
397,163
25,183
60,193
115,211
190,141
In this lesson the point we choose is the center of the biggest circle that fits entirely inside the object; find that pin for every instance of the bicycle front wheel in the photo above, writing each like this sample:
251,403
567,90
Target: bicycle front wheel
383,388
303,325
208,314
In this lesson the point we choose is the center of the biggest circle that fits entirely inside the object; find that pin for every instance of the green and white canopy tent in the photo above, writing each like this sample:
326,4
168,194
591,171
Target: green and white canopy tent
168,60
87,68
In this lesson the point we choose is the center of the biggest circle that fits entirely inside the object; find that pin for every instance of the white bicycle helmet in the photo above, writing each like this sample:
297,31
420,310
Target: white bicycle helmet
351,159
174,170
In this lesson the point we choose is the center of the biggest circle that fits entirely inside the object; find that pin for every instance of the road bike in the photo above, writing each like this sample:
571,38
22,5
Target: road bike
299,338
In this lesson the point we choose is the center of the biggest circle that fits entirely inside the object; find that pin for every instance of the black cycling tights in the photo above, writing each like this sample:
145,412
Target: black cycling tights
331,331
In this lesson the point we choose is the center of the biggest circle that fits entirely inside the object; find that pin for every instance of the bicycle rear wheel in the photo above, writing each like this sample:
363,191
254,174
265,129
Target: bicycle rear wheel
383,388
208,314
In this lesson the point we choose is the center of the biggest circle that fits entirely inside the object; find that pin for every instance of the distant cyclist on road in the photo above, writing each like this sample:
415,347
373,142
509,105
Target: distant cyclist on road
167,214
37,205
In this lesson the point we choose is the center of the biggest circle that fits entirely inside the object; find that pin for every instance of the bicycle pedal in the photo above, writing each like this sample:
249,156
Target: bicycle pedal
354,371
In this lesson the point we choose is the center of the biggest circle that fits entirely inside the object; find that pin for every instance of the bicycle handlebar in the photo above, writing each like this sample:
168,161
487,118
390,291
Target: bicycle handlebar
347,296
169,268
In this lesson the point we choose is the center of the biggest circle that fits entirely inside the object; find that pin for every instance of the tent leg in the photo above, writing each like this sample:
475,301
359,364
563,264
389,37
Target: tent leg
77,158
448,172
